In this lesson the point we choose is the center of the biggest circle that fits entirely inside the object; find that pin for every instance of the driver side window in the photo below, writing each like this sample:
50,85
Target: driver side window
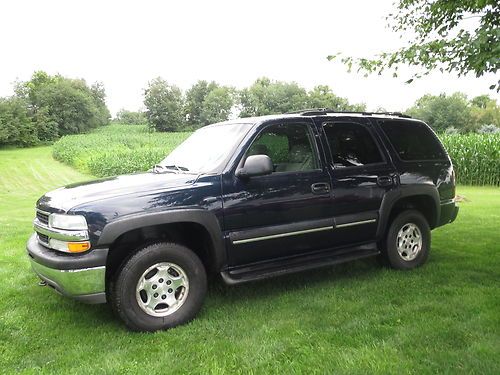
289,146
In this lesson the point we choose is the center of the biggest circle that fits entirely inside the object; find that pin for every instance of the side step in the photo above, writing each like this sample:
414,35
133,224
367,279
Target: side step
280,267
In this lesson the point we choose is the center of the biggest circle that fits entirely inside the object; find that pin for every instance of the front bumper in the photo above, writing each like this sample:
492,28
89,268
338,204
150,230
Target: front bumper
81,277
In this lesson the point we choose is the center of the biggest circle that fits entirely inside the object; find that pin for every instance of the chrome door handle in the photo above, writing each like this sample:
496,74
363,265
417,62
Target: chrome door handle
320,188
384,181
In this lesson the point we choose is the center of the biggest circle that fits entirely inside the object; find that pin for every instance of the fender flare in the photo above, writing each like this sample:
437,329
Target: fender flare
393,196
207,219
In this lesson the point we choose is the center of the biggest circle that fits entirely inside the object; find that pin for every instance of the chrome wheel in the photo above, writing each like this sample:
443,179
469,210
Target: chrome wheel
162,289
409,241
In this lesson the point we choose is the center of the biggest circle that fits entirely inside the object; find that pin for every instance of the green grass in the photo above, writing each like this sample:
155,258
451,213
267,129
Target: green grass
353,318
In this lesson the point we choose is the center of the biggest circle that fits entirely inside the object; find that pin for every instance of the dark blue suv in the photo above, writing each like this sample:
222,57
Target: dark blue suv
246,199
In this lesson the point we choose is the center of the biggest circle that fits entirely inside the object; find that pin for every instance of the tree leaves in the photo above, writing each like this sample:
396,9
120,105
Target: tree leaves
460,36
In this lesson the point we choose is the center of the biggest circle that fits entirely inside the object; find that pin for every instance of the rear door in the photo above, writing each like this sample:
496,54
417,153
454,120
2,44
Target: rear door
361,173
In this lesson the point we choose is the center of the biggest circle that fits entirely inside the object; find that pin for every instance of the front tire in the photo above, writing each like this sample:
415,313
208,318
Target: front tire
161,286
408,241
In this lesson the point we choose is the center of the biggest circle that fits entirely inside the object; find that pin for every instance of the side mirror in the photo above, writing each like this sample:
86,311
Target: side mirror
256,165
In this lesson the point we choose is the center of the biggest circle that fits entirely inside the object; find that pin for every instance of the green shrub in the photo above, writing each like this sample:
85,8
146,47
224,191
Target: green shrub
16,128
130,118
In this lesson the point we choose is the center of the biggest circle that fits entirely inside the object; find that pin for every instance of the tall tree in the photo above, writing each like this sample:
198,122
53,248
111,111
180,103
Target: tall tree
461,36
266,97
323,97
485,111
444,111
217,105
59,105
164,106
195,97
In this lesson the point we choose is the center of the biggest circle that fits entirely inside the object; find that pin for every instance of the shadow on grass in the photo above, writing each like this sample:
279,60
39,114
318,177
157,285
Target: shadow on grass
82,316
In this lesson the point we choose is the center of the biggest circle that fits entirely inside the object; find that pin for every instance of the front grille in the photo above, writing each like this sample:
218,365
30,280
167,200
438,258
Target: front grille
43,238
42,217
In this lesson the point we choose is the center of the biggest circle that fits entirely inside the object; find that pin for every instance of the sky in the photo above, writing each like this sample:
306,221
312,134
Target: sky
125,44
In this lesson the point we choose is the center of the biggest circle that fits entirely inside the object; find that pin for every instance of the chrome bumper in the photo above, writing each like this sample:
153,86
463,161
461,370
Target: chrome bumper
86,284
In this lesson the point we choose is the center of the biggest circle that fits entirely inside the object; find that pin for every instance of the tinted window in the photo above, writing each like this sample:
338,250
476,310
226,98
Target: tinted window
289,146
413,140
351,145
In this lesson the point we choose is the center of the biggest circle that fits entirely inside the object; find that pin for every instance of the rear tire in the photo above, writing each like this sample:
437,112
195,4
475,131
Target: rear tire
161,286
408,241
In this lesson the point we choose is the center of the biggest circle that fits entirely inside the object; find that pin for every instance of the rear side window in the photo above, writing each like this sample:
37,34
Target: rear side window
351,145
413,140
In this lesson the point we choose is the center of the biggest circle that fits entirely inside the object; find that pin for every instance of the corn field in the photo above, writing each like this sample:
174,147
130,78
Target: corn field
119,149
476,157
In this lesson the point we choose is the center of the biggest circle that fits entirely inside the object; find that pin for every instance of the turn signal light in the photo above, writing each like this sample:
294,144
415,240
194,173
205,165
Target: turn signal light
78,247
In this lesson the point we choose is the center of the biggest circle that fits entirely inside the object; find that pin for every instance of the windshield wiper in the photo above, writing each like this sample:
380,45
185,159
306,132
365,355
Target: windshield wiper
158,168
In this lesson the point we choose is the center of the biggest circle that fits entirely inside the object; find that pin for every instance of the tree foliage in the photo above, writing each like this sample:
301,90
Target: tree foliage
164,106
455,113
267,97
217,105
195,97
461,36
130,117
46,107
16,126
323,97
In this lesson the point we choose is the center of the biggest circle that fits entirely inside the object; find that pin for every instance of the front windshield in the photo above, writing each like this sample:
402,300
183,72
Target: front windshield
205,149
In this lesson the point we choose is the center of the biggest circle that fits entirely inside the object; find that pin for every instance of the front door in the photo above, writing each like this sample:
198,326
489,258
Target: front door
285,213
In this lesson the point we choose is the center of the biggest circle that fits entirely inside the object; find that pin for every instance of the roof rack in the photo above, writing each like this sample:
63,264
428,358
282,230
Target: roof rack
325,111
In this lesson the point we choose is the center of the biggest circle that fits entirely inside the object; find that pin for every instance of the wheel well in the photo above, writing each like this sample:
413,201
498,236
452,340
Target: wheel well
423,203
192,235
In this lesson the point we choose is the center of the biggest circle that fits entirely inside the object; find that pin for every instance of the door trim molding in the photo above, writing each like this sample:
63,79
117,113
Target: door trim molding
296,229
280,235
353,223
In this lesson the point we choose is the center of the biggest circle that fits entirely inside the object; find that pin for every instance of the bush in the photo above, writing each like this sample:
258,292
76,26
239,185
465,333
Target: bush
130,118
16,128
489,129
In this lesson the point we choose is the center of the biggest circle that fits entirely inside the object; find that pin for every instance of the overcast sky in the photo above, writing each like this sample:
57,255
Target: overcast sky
125,44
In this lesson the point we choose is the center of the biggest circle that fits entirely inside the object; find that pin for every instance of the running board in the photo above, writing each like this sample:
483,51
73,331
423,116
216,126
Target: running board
297,264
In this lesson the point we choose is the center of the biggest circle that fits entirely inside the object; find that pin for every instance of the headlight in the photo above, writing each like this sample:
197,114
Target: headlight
69,222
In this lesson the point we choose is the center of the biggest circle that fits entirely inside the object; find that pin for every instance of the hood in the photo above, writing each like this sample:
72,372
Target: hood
63,199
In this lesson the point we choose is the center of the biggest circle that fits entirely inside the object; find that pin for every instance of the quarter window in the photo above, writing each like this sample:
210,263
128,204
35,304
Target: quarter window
290,147
413,140
351,145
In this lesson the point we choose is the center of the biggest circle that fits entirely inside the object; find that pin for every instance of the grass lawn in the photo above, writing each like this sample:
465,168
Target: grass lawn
353,318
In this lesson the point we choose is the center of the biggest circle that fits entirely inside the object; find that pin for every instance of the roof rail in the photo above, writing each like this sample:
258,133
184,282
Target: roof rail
325,111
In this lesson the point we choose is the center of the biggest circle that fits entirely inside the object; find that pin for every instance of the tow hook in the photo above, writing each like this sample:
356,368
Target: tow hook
42,283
